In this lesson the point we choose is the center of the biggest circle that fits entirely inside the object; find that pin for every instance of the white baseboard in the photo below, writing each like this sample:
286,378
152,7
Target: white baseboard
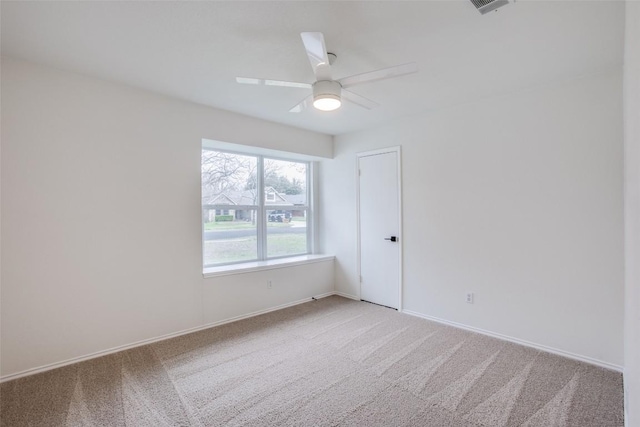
541,347
626,417
342,294
55,365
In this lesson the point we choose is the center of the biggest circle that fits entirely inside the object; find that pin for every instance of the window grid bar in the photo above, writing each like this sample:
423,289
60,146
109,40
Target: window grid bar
309,202
234,207
262,224
286,207
255,207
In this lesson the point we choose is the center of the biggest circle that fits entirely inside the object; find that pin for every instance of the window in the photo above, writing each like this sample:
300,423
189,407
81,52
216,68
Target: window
253,208
270,195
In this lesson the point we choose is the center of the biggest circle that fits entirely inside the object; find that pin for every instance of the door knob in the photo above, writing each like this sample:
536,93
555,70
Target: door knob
392,238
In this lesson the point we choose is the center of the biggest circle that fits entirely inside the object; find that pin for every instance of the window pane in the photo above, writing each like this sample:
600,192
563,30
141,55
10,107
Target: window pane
285,183
228,179
286,232
230,236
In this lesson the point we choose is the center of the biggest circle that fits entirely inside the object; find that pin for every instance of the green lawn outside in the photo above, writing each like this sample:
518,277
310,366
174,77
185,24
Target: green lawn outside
245,248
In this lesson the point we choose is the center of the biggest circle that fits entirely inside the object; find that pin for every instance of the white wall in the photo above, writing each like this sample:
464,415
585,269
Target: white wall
632,214
101,234
518,199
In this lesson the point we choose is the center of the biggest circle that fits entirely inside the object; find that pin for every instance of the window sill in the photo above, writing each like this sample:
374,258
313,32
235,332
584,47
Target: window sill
250,267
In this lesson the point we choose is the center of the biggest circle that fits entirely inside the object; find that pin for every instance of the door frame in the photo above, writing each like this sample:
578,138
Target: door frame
395,149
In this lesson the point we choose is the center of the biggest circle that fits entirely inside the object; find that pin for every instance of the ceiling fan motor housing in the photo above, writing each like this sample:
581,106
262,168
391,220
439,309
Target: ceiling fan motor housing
327,89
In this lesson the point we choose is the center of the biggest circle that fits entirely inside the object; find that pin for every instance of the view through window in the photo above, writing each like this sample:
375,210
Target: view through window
253,207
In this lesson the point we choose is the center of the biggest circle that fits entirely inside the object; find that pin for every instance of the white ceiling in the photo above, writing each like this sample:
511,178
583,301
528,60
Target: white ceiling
194,50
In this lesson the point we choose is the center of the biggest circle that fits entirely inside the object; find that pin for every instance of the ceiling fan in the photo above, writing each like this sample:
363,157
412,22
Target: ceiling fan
328,93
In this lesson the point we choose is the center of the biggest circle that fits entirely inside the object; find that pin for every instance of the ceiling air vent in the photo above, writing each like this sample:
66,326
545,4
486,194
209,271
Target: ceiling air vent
485,6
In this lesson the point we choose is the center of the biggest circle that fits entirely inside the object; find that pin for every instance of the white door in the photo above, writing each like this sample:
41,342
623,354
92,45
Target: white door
379,211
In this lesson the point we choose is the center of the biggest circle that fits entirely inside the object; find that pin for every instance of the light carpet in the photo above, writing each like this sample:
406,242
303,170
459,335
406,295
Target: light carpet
332,362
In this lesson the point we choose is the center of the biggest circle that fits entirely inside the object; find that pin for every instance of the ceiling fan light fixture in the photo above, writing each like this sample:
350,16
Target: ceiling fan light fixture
327,103
326,95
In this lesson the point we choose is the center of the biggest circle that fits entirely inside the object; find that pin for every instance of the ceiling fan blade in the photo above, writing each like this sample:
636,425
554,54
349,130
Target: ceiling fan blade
265,82
385,73
317,53
359,100
302,105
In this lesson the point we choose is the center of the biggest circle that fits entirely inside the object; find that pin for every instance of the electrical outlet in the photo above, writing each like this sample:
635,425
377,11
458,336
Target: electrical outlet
269,284
469,297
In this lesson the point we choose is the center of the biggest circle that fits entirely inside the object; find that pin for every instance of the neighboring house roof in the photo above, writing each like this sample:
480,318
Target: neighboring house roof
279,198
243,198
221,199
296,199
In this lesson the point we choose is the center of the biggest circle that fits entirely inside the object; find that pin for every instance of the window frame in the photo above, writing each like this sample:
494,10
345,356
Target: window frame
261,209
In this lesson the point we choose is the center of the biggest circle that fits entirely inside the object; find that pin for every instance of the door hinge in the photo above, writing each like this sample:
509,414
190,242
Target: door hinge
360,279
359,172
